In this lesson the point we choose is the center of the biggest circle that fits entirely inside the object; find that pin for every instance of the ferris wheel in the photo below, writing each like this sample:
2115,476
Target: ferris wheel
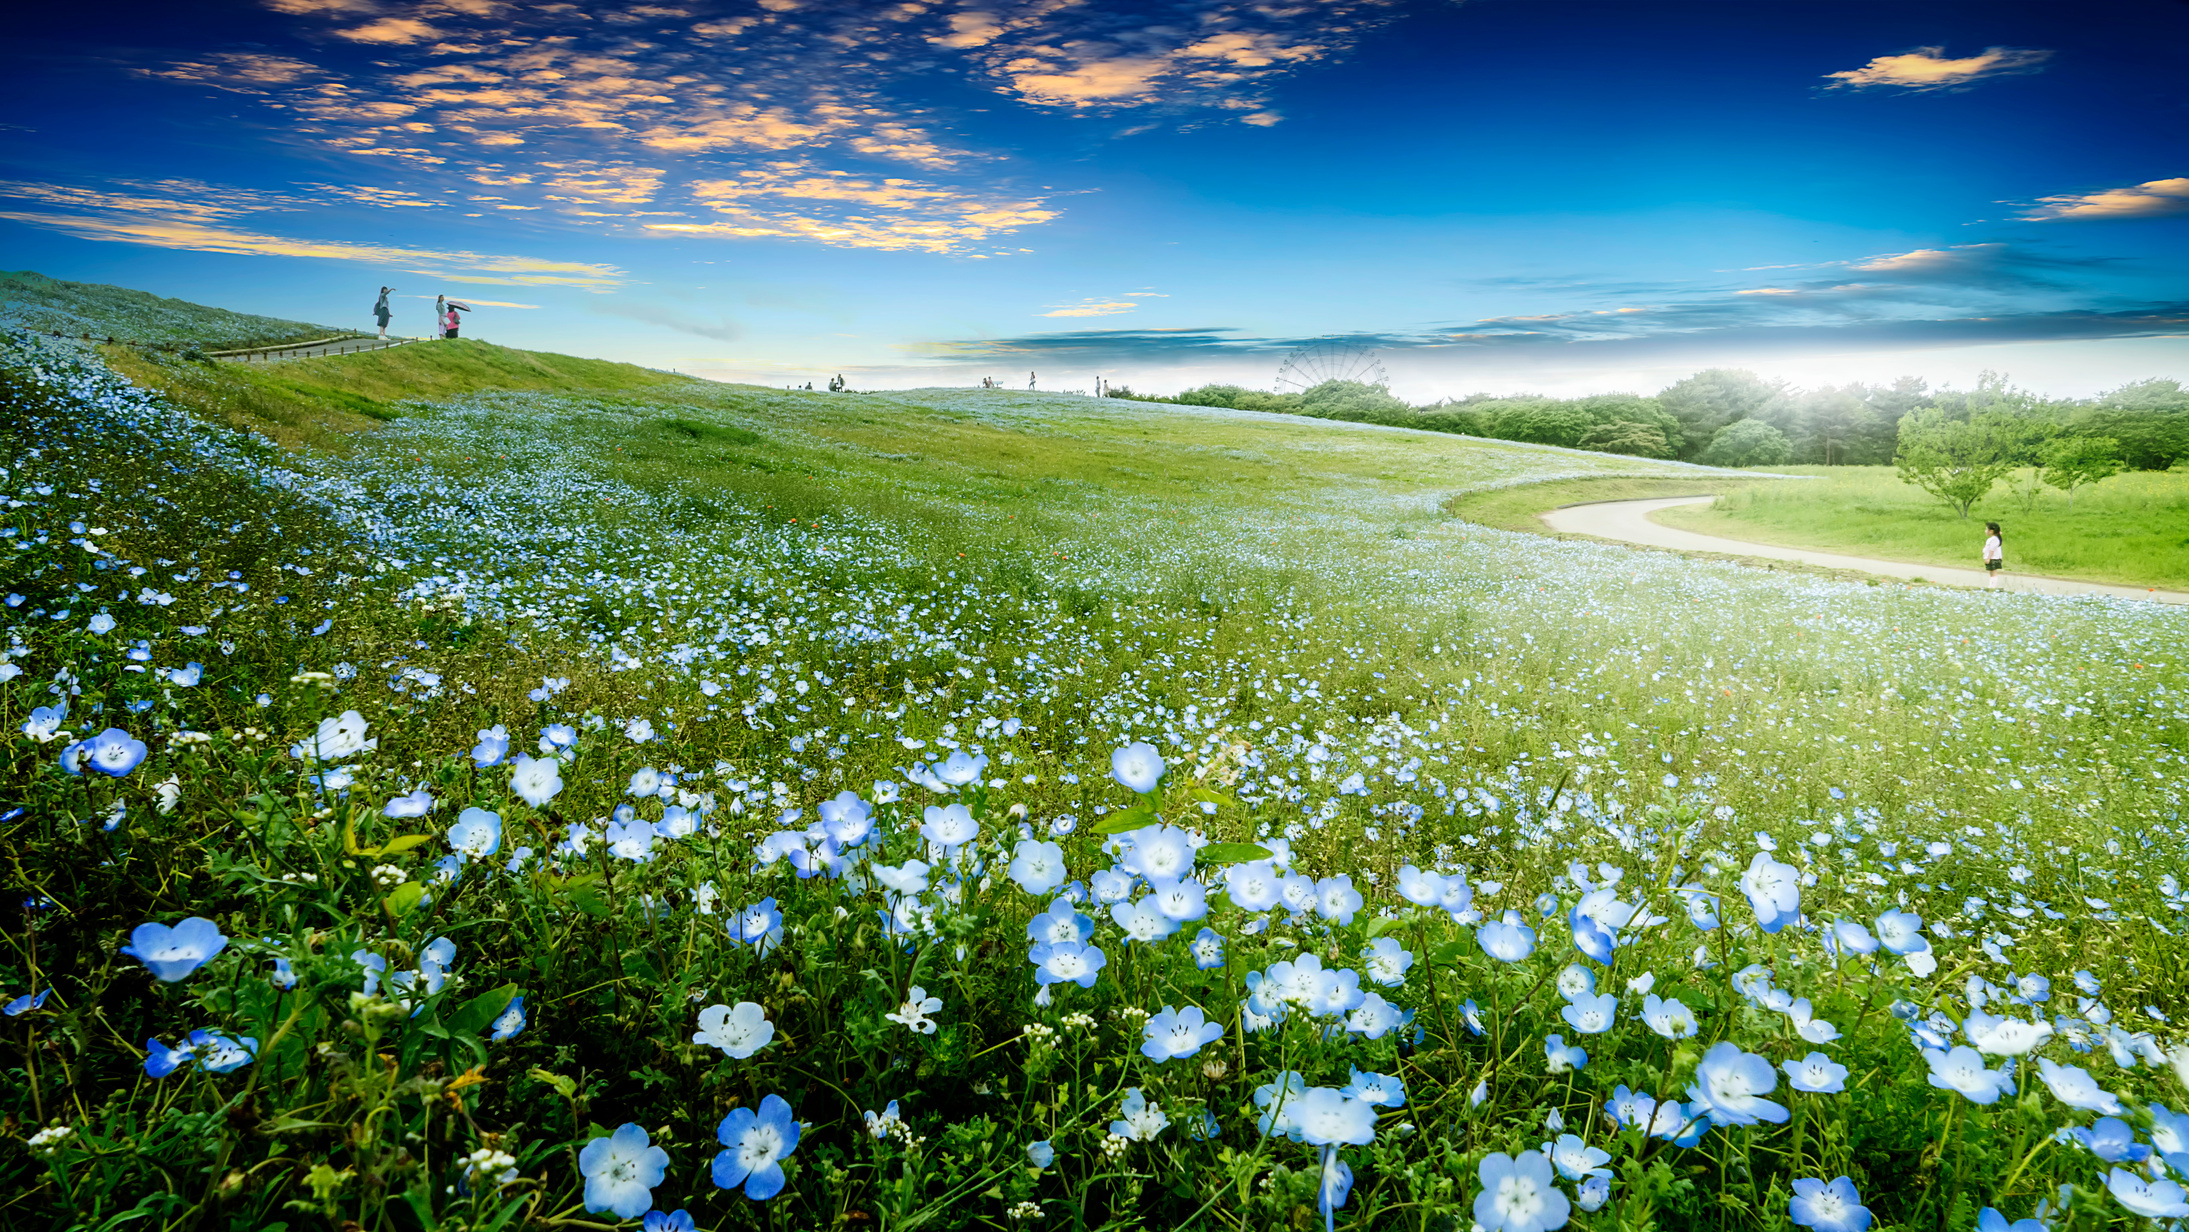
1329,359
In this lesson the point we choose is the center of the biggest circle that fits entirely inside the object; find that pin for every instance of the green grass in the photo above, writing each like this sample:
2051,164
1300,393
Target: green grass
2132,529
316,401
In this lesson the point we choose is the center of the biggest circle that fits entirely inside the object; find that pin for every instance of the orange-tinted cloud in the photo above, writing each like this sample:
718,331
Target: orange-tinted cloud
2150,199
1928,68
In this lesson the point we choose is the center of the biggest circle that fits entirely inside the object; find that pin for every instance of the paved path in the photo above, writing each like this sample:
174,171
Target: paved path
1629,521
309,350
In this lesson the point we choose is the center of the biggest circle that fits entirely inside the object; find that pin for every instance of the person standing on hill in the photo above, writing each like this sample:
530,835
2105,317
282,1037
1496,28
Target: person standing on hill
380,310
1995,555
450,321
440,316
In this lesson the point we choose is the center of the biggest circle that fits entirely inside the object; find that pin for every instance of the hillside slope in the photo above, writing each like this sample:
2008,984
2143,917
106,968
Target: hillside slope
35,301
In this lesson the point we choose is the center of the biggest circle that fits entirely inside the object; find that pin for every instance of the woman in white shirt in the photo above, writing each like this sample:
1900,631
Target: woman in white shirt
1995,556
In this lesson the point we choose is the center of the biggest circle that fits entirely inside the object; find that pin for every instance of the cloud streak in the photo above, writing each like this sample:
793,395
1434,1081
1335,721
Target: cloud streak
1929,68
2150,199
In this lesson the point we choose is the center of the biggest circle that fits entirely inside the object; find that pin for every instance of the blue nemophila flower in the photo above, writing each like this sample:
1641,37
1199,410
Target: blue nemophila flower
1254,886
1379,1090
101,623
509,1023
1336,899
1279,1100
1182,902
26,1003
1139,767
417,804
1506,939
882,1124
1816,1073
1372,1016
2072,1085
1143,921
1962,1069
1773,890
1139,1119
44,723
1517,1194
1828,1208
1990,1220
1576,1159
950,826
112,752
1158,853
492,747
1175,1034
757,1144
160,1060
1591,1015
2156,1199
1061,923
1208,949
915,1010
1730,1085
1066,962
1041,1154
173,953
557,736
1386,961
759,925
847,819
214,1052
2170,1134
1037,867
476,833
674,1221
621,1171
186,677
537,780
738,1032
1559,1055
1901,932
961,768
2111,1140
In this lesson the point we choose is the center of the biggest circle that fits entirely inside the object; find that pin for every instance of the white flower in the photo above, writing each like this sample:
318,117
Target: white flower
914,1013
336,739
740,1032
537,780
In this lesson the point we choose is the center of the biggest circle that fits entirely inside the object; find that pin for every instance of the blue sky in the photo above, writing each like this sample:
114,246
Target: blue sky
1498,195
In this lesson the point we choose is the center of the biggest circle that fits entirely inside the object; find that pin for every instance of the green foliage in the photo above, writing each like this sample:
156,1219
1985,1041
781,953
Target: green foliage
1958,461
2076,461
1747,442
1715,397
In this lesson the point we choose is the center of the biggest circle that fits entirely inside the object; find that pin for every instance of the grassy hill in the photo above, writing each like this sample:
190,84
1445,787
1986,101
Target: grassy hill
569,755
316,401
38,302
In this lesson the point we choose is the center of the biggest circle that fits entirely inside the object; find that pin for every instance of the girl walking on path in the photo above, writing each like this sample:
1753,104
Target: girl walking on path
380,310
1995,556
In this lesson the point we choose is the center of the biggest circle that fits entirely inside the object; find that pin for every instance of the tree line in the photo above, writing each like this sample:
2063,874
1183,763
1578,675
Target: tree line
1732,417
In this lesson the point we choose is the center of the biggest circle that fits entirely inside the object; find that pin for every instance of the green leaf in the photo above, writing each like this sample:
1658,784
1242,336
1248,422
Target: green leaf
1139,815
1209,795
397,845
1449,953
403,899
1231,853
587,899
483,1009
1385,923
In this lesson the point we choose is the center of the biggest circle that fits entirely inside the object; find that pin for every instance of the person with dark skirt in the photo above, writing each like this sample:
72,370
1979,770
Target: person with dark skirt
1995,556
380,310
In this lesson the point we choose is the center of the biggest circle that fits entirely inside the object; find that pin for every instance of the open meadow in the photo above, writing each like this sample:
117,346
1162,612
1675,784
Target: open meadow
2132,528
634,800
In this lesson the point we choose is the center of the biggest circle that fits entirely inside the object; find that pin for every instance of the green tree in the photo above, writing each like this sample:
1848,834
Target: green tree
2077,461
1956,460
1354,400
1715,397
1625,436
1747,442
2149,418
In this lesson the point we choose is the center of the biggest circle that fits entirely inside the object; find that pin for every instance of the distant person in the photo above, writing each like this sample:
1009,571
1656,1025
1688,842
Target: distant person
1029,380
1995,555
450,321
380,310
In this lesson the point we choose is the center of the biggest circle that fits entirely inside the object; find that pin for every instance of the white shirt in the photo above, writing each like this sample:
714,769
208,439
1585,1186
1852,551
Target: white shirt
1992,550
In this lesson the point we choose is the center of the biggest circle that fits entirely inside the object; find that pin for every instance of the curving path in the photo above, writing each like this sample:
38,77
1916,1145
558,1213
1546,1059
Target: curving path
309,350
1629,521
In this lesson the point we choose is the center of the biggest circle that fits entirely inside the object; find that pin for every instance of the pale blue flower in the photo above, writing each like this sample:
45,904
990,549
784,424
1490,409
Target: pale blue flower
621,1171
1037,867
1138,767
1208,949
1041,1154
1816,1073
1506,940
1517,1194
1175,1034
756,1146
1773,890
112,752
1828,1208
476,832
173,953
1730,1085
417,804
509,1023
1066,962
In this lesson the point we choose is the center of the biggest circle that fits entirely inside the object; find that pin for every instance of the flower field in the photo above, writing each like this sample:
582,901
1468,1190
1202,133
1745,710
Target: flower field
711,807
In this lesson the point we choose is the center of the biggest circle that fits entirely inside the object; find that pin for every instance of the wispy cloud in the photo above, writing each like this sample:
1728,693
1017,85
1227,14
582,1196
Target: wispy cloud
189,217
2150,199
722,329
1099,307
794,199
1929,68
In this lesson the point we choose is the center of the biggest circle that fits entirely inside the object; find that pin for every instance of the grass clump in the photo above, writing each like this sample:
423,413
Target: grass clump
38,302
